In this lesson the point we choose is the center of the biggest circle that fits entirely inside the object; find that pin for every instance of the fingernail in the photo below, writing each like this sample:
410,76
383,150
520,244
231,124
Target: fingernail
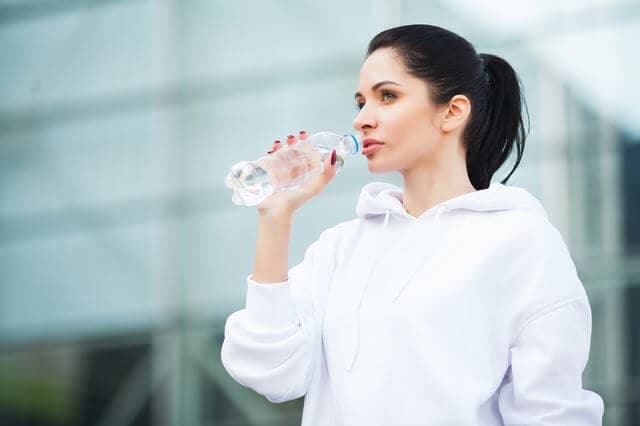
290,137
269,152
333,158
277,142
303,132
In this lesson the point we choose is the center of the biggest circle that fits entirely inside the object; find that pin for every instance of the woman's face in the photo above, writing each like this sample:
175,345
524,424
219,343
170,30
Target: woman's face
395,109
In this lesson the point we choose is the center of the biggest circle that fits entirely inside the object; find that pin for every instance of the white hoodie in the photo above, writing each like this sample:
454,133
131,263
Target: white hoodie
471,314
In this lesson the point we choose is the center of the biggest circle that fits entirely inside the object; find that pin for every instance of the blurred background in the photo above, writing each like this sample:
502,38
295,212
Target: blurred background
121,254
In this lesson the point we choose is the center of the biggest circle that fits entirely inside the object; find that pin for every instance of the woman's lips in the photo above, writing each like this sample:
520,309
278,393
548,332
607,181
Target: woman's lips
370,145
370,149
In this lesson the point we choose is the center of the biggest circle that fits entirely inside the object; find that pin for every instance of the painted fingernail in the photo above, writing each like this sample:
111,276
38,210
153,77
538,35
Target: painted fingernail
290,137
277,142
303,132
333,158
269,152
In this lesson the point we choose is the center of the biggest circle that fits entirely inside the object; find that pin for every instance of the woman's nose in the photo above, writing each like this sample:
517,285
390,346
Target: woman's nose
364,120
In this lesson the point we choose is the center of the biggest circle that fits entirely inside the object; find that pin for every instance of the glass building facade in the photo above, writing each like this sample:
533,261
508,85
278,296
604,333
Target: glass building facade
121,254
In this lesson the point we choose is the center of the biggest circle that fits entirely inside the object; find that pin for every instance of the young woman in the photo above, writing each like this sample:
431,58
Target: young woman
450,301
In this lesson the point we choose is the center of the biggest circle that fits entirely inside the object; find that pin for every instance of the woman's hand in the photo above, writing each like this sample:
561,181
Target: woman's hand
288,201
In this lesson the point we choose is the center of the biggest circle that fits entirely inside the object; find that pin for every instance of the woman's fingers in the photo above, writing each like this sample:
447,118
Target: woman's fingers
291,139
276,146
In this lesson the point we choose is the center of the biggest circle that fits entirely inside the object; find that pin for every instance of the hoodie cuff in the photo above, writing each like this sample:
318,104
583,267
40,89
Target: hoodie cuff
270,304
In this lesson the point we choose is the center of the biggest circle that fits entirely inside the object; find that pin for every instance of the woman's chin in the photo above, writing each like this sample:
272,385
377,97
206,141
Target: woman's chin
377,168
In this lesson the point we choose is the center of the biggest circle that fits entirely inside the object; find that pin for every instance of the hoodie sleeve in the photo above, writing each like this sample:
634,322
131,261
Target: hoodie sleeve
544,385
273,344
549,347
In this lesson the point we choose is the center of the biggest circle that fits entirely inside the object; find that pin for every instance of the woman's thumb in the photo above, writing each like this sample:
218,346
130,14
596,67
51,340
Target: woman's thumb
330,166
328,172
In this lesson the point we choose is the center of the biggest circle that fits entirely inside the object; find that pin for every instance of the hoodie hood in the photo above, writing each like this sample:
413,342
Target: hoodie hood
381,198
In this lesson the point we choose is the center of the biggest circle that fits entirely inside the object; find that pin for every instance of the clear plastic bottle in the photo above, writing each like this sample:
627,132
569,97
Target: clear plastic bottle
288,168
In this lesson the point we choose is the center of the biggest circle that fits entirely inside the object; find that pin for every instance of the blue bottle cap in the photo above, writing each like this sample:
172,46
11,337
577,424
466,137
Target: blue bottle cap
355,140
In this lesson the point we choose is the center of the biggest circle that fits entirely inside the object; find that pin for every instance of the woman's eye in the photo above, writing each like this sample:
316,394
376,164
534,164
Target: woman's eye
388,95
385,97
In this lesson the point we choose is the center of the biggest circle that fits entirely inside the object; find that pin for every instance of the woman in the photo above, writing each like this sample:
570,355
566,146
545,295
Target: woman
451,301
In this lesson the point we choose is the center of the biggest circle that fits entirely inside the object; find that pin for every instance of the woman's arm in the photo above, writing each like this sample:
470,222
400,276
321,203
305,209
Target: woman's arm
272,249
273,345
548,358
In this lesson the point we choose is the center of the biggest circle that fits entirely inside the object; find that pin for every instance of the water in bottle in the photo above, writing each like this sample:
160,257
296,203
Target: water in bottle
288,168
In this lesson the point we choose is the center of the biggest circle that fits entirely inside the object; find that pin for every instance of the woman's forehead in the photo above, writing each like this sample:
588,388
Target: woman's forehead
383,60
379,66
385,65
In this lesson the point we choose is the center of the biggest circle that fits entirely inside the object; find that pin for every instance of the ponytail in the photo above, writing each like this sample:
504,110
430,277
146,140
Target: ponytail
503,124
450,65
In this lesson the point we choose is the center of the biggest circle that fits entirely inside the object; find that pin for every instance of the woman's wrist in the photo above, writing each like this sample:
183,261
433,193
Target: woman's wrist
272,247
282,215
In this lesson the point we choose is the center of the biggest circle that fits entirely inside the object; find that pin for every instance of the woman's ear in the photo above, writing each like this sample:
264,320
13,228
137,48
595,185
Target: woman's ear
456,113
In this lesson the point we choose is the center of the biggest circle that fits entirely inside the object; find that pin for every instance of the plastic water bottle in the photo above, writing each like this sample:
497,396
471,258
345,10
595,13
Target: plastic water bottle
288,168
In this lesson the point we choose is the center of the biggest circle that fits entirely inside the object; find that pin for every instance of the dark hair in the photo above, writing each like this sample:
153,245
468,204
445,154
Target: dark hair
451,66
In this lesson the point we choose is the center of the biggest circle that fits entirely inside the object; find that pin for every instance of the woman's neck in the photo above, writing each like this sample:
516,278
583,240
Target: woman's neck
428,185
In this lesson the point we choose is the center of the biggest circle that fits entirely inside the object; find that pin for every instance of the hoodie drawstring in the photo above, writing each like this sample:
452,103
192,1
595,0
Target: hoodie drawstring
441,210
382,245
362,292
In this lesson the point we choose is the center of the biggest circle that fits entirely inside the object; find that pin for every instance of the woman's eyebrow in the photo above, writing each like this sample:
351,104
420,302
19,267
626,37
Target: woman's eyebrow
375,86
